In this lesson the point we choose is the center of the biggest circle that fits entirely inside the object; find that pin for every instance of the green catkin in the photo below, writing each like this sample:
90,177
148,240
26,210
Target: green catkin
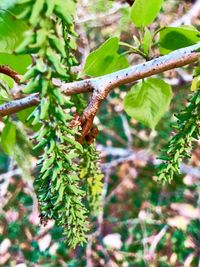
91,173
188,127
58,185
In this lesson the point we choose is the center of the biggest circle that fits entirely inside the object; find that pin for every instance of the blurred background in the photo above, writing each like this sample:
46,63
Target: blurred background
142,223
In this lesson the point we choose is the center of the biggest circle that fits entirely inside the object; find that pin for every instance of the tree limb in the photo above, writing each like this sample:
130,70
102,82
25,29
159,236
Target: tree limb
102,85
11,73
19,104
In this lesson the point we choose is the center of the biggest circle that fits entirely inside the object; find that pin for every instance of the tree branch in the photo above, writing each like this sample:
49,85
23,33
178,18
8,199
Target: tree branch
19,104
104,84
101,86
11,73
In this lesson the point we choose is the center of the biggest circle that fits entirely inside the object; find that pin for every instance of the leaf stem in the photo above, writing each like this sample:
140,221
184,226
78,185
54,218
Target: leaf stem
136,50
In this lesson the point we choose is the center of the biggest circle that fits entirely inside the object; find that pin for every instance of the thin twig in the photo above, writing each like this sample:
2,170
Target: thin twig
11,73
94,17
127,155
187,18
127,130
156,240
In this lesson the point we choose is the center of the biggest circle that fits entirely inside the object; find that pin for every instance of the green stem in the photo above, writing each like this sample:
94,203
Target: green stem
134,49
157,31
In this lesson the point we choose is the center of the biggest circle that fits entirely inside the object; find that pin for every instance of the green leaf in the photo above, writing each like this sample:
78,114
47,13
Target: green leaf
4,93
105,59
12,32
148,101
17,62
143,12
172,38
196,71
68,7
14,7
7,80
8,138
146,44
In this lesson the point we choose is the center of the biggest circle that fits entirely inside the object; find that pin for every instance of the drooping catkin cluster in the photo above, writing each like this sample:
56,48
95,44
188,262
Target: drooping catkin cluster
59,189
188,129
91,173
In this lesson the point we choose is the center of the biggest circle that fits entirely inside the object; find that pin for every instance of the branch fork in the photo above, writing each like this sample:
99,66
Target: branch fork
101,86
